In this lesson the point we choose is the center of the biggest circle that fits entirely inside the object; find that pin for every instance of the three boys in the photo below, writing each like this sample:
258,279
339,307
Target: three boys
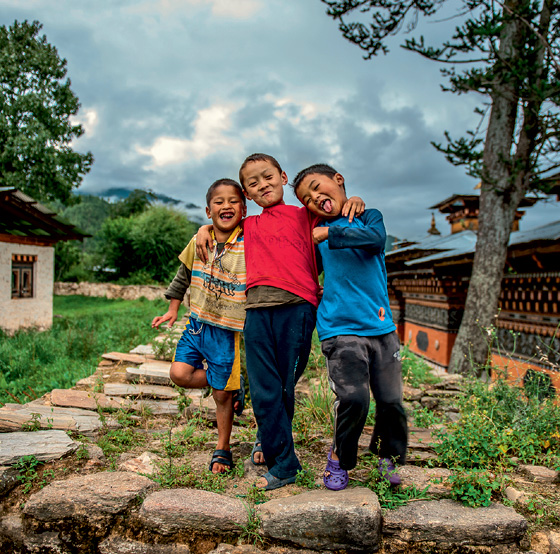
282,288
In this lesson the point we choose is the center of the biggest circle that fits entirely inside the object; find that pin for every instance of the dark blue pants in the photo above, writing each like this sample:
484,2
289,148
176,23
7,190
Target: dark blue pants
277,346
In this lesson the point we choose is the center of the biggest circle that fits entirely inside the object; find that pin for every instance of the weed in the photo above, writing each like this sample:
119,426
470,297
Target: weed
543,510
255,495
175,475
391,498
250,532
475,487
27,468
33,424
306,478
164,346
315,411
415,370
183,401
423,417
116,441
499,422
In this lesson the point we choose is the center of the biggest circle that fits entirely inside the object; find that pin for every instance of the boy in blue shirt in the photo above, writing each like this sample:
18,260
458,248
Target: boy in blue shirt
356,328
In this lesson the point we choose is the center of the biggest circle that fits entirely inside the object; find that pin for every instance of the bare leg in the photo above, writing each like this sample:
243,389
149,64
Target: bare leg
186,376
224,417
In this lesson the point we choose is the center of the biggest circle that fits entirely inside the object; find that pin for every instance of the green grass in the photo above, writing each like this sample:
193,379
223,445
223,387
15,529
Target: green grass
33,363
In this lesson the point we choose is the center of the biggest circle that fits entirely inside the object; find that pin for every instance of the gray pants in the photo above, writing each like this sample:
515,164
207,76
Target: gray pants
356,364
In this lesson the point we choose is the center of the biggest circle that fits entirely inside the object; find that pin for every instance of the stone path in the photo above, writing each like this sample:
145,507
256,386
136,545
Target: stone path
123,512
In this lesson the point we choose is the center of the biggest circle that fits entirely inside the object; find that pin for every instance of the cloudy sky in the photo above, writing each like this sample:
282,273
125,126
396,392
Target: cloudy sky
175,94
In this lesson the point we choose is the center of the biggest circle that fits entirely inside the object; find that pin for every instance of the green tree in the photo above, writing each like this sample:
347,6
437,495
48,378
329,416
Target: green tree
36,104
509,54
146,245
136,202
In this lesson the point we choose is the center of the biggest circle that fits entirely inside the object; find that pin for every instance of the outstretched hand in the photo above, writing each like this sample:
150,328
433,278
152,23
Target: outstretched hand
353,207
169,316
203,242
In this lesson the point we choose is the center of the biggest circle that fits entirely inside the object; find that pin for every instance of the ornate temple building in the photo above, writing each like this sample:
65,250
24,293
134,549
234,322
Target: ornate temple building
428,280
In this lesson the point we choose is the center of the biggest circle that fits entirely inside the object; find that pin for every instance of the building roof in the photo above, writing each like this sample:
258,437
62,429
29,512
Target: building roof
456,201
22,216
460,245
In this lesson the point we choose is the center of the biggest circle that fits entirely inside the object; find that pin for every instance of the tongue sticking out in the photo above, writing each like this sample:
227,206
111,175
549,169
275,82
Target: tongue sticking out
327,206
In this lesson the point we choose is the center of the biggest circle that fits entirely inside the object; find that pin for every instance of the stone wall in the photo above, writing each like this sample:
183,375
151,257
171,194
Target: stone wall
16,313
109,290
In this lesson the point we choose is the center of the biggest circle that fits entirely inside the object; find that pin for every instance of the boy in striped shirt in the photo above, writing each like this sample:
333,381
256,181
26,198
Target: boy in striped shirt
217,314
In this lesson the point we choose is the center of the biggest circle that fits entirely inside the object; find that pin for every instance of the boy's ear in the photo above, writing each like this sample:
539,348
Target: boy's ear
339,179
284,178
246,196
208,213
244,211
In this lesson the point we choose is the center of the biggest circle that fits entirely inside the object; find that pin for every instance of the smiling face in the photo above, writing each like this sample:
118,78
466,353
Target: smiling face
321,195
226,209
263,183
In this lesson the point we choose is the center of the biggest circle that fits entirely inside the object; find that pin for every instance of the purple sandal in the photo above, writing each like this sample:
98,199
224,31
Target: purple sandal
334,477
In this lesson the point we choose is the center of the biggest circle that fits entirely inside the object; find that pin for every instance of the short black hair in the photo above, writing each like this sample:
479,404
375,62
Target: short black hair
258,157
321,169
229,183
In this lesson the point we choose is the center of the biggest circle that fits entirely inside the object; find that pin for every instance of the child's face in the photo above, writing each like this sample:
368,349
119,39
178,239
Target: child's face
321,195
263,183
226,208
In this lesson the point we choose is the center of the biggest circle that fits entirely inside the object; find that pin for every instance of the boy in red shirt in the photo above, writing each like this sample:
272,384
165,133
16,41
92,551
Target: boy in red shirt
282,288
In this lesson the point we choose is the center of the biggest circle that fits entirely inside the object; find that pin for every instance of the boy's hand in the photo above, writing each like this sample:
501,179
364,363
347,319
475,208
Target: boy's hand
353,207
169,316
203,242
320,234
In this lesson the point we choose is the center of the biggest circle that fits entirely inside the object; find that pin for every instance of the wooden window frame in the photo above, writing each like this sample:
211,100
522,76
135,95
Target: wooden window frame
23,276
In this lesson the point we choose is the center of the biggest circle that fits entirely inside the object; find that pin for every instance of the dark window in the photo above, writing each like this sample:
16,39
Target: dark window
22,276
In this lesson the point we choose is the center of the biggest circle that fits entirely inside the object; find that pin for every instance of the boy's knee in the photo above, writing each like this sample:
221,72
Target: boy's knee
221,396
179,375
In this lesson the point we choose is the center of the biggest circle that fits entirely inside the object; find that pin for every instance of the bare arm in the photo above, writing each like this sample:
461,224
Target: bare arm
203,242
170,316
353,207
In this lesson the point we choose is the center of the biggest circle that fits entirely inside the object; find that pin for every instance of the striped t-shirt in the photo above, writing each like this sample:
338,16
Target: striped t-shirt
218,286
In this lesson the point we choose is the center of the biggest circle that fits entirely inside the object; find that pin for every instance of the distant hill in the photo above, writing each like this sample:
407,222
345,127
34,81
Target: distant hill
119,193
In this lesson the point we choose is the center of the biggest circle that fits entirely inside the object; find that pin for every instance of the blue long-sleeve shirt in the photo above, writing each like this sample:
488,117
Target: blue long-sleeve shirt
355,299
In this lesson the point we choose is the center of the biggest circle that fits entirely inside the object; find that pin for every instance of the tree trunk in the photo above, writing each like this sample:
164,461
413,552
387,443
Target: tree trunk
498,203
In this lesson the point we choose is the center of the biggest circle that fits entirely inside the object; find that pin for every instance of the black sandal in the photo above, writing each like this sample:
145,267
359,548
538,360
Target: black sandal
239,396
223,457
257,448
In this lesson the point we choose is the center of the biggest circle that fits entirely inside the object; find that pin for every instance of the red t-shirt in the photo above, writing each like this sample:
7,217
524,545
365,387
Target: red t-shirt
279,251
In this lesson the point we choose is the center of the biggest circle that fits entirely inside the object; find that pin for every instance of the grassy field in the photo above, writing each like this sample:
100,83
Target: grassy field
32,363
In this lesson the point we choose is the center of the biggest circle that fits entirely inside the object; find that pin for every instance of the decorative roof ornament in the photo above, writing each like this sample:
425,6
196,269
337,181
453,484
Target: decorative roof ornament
433,229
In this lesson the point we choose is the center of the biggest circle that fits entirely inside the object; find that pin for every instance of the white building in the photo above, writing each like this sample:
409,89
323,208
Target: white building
28,234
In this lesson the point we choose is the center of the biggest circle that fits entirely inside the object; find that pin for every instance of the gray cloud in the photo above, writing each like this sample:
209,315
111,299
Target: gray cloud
179,92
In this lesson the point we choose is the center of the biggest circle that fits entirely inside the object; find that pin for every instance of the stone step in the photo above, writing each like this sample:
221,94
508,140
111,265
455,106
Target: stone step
93,498
44,445
332,520
148,391
190,510
155,373
143,350
71,398
155,407
449,523
122,357
49,417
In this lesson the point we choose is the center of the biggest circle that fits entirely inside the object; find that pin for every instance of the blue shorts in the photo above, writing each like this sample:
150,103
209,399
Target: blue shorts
219,347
